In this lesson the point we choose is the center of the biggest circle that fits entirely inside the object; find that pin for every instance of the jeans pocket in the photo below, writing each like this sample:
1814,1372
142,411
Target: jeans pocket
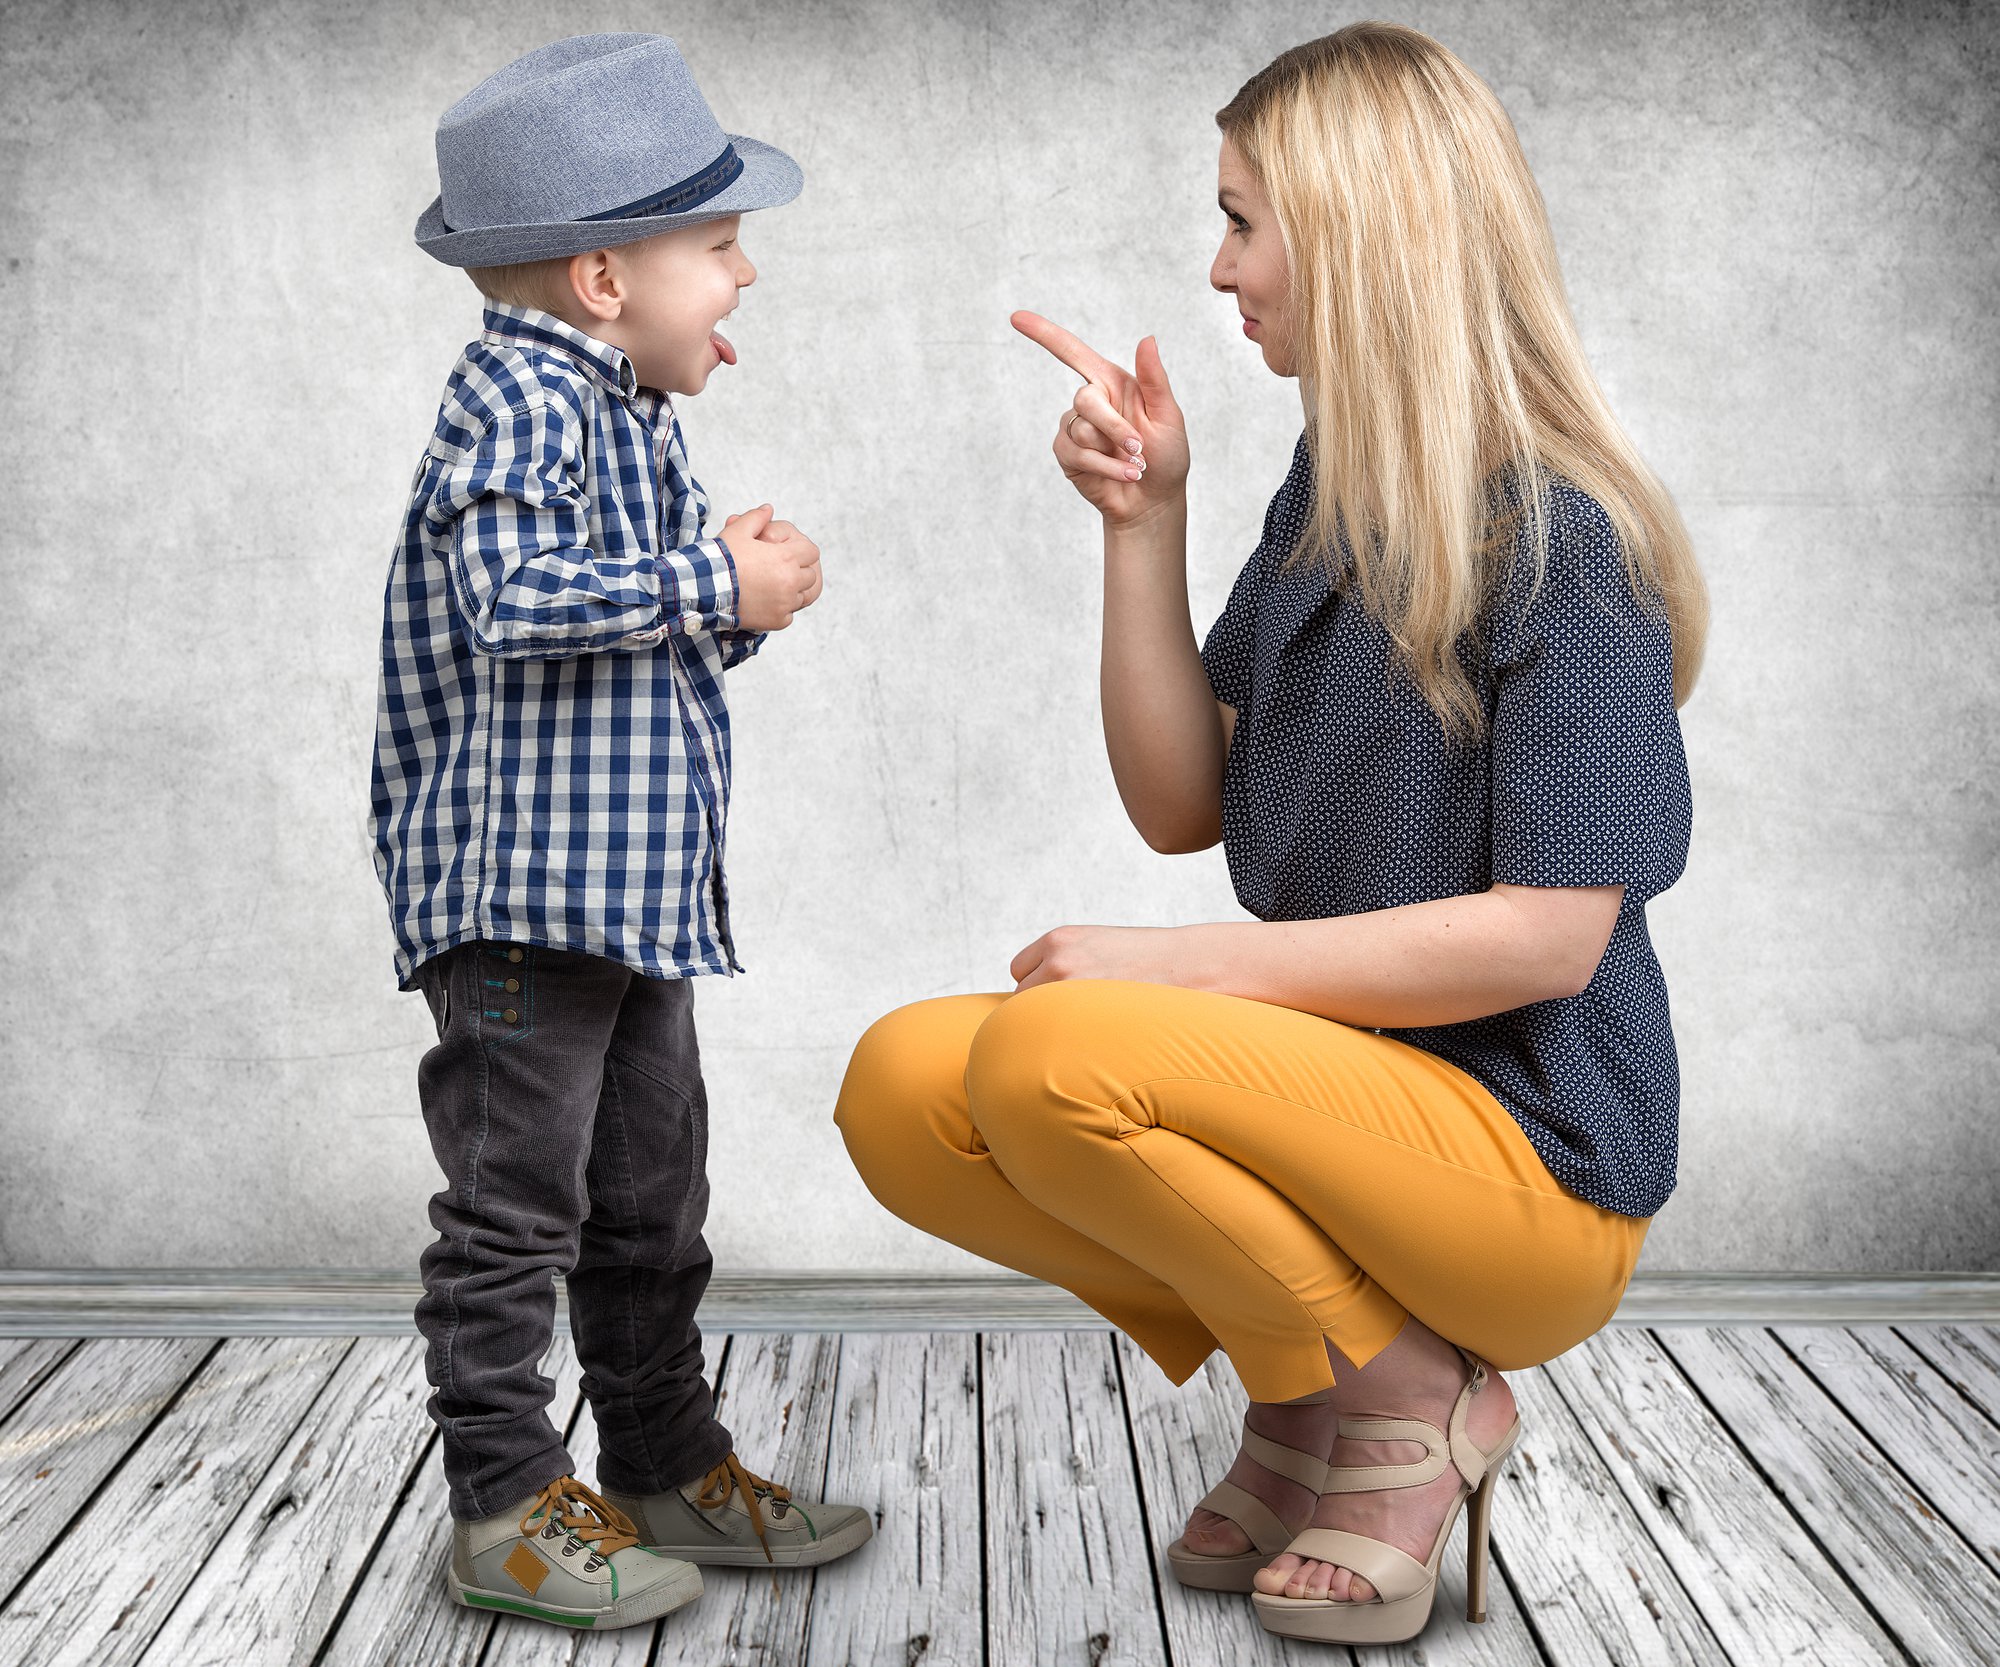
503,991
434,979
698,1132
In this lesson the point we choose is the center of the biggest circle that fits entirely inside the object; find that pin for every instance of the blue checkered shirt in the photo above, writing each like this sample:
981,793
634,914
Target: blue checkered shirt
552,744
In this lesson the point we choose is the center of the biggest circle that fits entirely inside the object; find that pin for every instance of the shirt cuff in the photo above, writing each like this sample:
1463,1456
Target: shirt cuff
698,587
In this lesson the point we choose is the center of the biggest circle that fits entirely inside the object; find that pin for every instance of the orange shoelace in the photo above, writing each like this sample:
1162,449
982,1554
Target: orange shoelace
730,1476
595,1521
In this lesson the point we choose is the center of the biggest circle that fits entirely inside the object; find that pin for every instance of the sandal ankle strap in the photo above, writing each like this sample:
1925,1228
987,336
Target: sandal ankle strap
1441,1447
1356,1478
1469,1459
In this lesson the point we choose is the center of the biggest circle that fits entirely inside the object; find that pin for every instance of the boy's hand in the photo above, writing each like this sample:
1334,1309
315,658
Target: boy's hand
777,569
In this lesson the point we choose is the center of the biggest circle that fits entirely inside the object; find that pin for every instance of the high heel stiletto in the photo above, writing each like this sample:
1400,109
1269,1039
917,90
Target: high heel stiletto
1234,1571
1404,1587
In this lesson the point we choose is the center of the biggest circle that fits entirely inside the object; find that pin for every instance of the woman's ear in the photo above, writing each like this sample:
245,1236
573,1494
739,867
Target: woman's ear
597,283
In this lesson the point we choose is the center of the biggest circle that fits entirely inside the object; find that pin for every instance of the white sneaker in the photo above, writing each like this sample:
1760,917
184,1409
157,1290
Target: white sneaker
565,1555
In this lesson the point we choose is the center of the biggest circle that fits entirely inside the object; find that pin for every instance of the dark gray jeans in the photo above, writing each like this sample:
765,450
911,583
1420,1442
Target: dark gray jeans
565,1105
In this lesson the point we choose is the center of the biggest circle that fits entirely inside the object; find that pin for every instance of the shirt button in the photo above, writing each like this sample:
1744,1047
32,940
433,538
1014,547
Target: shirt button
517,954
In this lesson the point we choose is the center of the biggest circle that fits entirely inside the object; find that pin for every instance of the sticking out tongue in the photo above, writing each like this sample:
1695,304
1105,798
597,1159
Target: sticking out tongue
722,346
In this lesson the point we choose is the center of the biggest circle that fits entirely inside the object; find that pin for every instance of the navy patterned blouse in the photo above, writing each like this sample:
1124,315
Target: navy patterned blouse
1341,795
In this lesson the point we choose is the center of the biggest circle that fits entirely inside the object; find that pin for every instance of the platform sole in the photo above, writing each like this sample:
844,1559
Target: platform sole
1325,1622
1235,1572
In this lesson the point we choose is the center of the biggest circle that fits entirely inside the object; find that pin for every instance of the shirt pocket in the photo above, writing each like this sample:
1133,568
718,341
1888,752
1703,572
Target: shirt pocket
443,449
440,456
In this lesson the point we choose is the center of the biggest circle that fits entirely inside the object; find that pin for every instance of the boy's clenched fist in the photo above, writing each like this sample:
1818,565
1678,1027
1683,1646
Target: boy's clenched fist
777,569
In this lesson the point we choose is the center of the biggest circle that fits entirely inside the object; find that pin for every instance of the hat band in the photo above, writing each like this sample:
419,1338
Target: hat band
696,189
691,192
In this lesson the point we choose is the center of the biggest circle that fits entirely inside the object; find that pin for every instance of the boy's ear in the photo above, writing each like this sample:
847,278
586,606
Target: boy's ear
597,283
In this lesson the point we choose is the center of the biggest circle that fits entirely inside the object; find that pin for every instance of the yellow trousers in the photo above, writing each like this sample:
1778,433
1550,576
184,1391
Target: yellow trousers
1208,1170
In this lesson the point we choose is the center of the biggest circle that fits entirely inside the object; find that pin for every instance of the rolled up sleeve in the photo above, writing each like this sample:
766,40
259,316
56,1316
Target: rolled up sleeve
526,578
698,587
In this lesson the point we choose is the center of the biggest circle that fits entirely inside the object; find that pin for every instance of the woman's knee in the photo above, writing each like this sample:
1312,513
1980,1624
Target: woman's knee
898,1108
1036,1063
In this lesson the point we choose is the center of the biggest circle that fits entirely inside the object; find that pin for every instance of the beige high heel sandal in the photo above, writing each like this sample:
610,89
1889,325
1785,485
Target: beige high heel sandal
1233,1572
1404,1587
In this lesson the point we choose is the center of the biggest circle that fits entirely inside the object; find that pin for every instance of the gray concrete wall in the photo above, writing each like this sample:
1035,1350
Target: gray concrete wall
1777,223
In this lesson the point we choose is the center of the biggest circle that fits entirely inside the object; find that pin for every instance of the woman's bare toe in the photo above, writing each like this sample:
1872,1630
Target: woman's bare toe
1273,1577
1312,1580
1214,1535
1349,1587
1295,1577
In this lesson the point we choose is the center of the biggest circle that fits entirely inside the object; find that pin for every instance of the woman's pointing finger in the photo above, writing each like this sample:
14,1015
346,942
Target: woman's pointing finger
1085,361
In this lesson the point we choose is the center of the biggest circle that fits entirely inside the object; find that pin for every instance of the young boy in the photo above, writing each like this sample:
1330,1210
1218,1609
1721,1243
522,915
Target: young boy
551,784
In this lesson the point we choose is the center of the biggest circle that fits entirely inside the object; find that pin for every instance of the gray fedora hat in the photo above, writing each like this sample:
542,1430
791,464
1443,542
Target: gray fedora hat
586,143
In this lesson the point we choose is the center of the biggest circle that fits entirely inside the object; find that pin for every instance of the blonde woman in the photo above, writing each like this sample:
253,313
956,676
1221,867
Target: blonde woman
1408,1127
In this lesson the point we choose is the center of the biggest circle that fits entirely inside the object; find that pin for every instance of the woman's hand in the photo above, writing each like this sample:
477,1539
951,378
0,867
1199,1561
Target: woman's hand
1144,953
1111,410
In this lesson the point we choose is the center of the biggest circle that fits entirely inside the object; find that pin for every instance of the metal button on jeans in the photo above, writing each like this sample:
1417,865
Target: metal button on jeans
517,954
512,985
511,1016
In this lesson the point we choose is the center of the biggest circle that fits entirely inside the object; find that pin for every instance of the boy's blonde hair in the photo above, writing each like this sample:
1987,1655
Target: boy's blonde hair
530,283
1435,347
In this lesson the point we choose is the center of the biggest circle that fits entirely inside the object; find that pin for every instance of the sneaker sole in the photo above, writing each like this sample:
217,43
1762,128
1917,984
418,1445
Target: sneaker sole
837,1544
662,1598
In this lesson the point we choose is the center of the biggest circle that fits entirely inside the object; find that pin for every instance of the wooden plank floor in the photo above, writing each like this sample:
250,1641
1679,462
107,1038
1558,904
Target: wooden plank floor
1724,1495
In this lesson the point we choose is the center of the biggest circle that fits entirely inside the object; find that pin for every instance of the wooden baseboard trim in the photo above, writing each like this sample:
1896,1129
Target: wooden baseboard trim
218,1302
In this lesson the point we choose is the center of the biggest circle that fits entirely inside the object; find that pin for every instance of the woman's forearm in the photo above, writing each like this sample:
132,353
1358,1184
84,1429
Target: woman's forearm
1162,727
1440,962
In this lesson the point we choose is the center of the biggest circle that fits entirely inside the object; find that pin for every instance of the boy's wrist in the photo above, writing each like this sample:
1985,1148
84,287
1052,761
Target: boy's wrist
734,605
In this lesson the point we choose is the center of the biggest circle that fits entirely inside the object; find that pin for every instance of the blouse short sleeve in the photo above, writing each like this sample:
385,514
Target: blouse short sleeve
1230,652
1589,779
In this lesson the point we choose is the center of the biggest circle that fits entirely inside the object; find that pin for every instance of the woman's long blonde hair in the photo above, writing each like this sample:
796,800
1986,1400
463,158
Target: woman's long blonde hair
1435,348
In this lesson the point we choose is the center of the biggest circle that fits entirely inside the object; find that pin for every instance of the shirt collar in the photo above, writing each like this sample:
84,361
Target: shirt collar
504,322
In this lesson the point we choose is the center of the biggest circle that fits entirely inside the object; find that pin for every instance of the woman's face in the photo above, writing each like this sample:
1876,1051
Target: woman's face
1251,263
